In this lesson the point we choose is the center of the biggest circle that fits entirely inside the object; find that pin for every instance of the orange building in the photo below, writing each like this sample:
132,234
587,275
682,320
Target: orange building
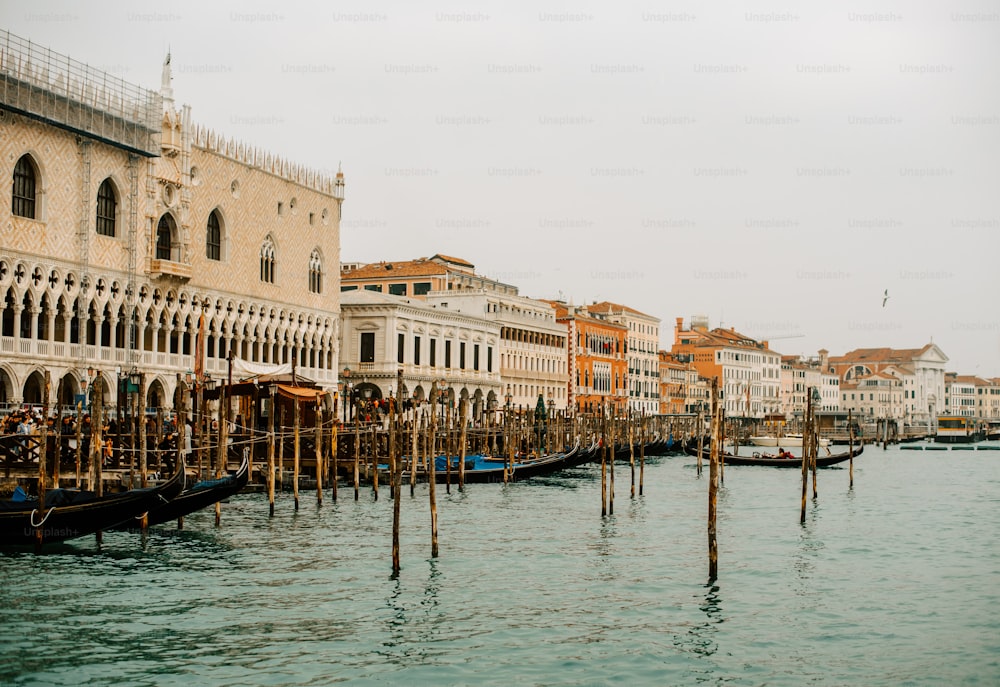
749,372
597,360
418,277
673,384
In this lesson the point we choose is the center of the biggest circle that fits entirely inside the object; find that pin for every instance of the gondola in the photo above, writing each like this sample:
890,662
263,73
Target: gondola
201,495
775,462
491,469
70,513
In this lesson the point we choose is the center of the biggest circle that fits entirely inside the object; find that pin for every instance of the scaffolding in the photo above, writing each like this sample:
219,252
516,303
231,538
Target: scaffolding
44,85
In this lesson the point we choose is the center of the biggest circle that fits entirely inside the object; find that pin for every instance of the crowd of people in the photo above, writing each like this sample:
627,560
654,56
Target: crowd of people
21,425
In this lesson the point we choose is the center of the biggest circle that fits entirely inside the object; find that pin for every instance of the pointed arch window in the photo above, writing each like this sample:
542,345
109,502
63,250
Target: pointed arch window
107,209
24,194
267,263
315,272
213,237
164,237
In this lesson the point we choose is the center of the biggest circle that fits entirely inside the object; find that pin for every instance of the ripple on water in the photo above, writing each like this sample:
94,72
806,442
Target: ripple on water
892,582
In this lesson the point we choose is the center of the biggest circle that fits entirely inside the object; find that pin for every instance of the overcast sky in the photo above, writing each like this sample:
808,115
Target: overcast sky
774,166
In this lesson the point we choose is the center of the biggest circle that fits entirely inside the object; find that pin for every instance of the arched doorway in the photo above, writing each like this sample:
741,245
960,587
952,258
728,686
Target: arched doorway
67,390
6,388
34,389
155,395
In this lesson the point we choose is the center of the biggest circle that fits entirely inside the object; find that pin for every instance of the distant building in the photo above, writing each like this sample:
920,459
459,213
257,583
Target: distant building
799,376
960,394
393,345
920,369
533,347
988,398
419,277
673,384
749,372
597,360
641,355
874,396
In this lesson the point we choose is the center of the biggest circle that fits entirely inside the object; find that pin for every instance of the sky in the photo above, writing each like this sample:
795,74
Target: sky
777,167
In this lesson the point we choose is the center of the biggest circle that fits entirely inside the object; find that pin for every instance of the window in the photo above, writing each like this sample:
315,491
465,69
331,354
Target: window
106,209
489,359
352,287
433,352
315,272
25,178
267,266
400,347
475,356
374,287
213,237
447,354
164,237
461,355
416,350
421,287
367,347
397,289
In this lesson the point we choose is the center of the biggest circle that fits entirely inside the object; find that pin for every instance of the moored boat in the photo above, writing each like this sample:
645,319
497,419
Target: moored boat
784,441
770,460
70,513
491,469
201,495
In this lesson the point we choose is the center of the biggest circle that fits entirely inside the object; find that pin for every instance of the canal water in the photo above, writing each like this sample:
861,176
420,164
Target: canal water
893,582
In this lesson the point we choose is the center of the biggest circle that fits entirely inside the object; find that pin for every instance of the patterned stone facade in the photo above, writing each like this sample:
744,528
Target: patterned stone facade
65,287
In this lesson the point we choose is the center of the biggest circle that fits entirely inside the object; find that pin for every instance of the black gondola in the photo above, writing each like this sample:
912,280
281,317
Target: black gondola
776,462
71,513
201,495
546,465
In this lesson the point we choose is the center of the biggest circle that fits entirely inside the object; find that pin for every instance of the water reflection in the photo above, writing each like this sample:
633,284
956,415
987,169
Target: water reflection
700,638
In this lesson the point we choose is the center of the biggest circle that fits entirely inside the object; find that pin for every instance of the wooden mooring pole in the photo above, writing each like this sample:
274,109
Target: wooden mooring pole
42,457
713,485
850,447
319,452
396,464
806,444
271,412
295,455
431,476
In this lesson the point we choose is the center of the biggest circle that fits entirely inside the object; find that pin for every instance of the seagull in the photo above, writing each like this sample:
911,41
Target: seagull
885,297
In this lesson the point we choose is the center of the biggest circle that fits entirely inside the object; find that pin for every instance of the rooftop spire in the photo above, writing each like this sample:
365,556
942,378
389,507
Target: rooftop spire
166,90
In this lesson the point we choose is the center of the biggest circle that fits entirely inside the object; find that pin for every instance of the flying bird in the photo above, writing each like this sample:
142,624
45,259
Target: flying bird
885,297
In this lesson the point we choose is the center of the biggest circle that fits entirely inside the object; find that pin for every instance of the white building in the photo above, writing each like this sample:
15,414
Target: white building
532,347
925,394
399,346
642,354
873,397
800,375
960,395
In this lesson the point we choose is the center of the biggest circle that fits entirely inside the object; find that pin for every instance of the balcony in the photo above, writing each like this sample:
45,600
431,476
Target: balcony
169,268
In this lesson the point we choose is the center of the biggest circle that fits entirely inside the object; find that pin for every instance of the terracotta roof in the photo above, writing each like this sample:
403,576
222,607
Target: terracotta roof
449,258
970,379
726,337
606,307
880,355
391,270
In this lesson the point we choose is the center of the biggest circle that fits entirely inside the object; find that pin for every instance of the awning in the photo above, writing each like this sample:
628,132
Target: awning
299,392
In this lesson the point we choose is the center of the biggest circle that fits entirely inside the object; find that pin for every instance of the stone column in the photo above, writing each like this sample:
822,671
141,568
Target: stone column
33,319
17,307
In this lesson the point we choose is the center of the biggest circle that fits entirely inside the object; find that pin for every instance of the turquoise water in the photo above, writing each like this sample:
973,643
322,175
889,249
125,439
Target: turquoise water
893,582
